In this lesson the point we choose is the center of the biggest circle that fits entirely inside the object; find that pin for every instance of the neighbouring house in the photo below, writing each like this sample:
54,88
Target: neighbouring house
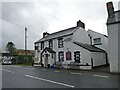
113,28
72,48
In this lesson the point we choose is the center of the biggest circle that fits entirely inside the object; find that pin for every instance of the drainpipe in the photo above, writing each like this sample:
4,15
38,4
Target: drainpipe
90,39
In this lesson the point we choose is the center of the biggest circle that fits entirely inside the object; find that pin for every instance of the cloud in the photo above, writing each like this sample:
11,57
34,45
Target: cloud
51,16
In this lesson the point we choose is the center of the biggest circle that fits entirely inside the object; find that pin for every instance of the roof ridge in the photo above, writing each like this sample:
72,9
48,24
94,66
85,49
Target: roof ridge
62,30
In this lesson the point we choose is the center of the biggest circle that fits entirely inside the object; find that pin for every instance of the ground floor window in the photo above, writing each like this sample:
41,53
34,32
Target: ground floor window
68,55
77,56
61,56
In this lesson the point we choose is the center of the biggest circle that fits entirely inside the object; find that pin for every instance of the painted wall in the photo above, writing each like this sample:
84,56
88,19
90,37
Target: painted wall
84,54
113,47
99,58
81,35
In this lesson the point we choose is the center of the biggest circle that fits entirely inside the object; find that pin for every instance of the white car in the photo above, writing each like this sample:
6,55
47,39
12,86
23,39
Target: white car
6,61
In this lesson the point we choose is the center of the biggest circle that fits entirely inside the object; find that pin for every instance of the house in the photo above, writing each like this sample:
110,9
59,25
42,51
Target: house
70,48
113,28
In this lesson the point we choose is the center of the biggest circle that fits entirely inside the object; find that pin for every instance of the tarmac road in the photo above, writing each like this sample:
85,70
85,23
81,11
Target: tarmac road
38,77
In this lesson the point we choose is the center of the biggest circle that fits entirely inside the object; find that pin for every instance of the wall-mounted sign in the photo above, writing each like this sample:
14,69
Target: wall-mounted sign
67,40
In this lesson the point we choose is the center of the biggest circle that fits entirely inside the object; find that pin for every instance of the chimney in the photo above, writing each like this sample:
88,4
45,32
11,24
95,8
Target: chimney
45,34
110,9
80,24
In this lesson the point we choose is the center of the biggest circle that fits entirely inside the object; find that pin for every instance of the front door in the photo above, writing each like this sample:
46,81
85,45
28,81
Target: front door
46,60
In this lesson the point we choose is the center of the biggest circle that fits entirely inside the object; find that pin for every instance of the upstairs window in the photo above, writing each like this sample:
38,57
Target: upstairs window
61,56
97,41
50,44
77,56
60,43
42,45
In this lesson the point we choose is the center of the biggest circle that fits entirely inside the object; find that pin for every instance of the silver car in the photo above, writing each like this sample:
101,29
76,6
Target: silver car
6,61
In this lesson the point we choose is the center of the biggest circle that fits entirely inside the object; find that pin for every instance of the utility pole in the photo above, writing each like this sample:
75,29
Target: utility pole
25,43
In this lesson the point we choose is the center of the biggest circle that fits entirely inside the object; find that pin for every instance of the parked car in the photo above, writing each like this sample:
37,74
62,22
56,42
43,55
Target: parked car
6,61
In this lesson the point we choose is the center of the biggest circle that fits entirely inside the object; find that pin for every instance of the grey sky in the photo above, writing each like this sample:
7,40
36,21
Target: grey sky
51,16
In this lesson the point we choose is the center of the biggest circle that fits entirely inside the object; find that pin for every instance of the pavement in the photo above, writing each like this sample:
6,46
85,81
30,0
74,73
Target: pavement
37,77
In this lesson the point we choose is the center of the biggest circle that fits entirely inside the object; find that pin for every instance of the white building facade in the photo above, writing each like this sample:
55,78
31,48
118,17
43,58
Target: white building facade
113,28
70,48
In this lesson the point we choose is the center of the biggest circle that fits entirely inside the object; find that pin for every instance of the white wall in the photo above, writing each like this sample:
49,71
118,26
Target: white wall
104,40
99,58
80,35
85,54
113,47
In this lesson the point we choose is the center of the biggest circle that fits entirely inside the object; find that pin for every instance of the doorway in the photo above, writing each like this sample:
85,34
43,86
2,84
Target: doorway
46,60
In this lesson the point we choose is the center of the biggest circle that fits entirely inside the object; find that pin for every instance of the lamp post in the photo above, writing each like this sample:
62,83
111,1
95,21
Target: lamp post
25,43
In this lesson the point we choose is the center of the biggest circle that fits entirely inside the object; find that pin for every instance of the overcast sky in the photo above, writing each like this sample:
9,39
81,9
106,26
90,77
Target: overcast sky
49,15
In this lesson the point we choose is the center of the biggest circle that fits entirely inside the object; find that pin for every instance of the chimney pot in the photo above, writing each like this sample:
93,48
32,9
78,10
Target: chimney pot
110,9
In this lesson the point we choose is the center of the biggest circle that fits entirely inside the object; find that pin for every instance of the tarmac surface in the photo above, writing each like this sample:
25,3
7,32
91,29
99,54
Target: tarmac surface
37,77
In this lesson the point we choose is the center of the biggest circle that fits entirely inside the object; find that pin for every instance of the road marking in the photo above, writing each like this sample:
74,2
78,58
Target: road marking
50,81
7,70
56,71
16,66
44,69
24,67
101,76
76,73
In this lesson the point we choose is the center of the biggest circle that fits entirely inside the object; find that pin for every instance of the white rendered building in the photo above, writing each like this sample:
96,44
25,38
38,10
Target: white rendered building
70,48
113,28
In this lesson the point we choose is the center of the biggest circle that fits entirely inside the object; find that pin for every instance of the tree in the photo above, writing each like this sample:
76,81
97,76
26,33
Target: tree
11,48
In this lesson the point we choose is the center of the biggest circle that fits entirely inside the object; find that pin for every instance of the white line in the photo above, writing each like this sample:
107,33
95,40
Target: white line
44,69
56,71
7,71
49,81
76,73
16,66
101,76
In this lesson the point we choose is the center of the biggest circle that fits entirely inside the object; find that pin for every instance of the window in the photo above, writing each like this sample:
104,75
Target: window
50,44
68,55
61,56
60,42
52,55
77,56
36,47
97,41
42,45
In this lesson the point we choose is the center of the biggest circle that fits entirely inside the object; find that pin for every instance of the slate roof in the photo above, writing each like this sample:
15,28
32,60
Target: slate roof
49,50
115,18
58,34
89,47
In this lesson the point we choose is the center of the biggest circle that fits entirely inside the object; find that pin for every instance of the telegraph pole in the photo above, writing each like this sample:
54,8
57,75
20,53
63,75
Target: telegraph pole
25,43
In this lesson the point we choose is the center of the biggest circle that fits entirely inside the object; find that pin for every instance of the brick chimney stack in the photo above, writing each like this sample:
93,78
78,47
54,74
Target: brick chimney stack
110,9
80,24
45,34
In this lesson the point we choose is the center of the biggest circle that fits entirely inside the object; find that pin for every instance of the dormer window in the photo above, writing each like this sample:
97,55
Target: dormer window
60,43
97,41
42,45
51,44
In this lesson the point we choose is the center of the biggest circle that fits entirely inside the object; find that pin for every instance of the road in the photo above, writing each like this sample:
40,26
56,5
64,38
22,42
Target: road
38,77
